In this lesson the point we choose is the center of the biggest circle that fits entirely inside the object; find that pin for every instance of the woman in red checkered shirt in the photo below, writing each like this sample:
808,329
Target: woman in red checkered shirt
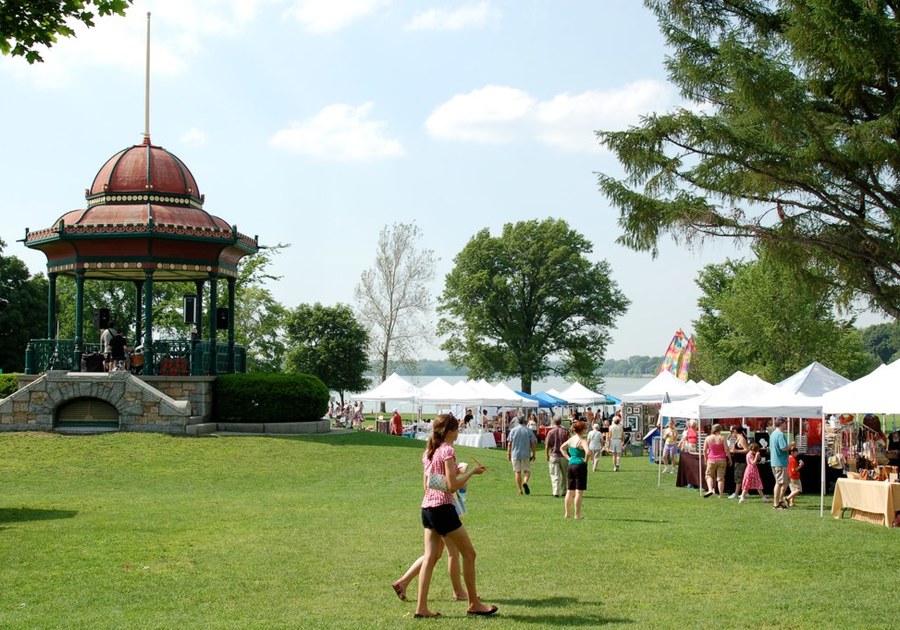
440,519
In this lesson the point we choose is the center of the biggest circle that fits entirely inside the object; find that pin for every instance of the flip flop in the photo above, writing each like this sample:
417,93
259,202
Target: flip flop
399,592
483,613
432,616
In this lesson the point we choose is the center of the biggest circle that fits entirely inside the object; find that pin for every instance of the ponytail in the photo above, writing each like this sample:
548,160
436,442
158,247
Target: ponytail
442,425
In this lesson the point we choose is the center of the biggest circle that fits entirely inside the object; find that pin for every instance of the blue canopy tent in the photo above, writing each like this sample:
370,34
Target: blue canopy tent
545,401
551,400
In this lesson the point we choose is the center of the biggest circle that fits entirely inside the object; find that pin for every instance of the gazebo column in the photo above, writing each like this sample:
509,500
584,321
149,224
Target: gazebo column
148,322
79,320
51,306
199,312
213,307
138,302
231,285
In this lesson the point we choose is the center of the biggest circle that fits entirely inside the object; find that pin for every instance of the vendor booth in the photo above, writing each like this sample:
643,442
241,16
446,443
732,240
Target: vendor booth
738,396
874,497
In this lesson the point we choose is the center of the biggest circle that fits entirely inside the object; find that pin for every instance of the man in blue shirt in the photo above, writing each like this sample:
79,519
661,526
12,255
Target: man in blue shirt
778,454
520,451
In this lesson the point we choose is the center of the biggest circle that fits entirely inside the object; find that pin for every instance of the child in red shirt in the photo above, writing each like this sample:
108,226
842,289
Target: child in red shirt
794,466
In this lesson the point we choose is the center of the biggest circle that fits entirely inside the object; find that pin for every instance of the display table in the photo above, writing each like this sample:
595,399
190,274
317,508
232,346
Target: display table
868,497
478,440
810,474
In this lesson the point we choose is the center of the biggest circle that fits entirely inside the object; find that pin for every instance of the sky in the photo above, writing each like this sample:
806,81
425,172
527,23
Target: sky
319,122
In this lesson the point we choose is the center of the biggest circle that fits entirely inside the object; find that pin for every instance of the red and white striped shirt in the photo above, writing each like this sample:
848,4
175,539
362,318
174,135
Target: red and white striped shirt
434,498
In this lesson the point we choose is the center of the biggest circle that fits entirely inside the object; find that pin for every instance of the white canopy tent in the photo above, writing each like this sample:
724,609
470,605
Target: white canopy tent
663,384
440,391
877,392
578,394
813,381
394,389
742,395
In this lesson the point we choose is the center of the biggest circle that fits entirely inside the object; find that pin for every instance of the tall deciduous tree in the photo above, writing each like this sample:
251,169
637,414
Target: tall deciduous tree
760,318
23,311
330,343
393,296
27,24
516,302
795,140
883,341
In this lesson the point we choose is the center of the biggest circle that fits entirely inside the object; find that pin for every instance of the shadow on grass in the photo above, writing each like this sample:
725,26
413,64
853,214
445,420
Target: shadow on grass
533,602
19,515
562,619
586,621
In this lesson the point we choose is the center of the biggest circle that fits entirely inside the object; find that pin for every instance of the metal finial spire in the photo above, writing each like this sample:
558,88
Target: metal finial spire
147,88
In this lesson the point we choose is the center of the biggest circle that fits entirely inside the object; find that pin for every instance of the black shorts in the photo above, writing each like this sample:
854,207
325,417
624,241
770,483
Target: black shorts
443,519
578,476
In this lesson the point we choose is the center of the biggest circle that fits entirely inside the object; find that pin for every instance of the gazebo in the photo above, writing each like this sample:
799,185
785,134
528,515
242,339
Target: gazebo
144,223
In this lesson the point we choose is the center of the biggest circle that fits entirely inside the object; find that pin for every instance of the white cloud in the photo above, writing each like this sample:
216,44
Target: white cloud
470,16
339,132
193,137
326,16
497,114
491,115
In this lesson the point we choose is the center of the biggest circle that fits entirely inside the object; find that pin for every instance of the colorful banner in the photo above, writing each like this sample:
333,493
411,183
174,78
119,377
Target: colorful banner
686,357
673,353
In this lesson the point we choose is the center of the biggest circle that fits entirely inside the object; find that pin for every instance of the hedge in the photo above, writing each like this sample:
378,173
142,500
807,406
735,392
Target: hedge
269,398
9,384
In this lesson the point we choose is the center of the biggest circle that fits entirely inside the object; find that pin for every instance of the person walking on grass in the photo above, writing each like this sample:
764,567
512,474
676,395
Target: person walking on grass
459,593
739,449
559,466
440,519
577,451
521,447
752,480
793,470
717,458
595,441
670,441
778,450
616,439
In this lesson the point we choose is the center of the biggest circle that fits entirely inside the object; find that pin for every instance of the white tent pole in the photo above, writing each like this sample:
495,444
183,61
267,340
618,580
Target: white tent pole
822,480
700,453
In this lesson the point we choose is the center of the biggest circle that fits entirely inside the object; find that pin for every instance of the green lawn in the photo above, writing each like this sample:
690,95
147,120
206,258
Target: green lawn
150,531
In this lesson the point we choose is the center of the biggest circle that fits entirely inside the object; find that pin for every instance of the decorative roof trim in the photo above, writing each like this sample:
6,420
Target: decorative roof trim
167,199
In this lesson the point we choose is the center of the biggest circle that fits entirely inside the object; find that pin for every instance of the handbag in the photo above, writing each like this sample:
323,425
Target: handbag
438,481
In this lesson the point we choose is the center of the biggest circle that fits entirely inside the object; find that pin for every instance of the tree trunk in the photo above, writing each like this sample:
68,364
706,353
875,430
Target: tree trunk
525,383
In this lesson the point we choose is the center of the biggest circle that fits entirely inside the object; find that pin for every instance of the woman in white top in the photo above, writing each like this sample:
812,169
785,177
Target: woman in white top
595,441
616,439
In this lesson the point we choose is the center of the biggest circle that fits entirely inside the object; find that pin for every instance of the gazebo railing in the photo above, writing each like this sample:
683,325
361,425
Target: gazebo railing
171,357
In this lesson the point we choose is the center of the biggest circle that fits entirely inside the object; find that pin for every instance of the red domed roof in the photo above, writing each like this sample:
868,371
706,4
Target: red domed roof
144,211
145,167
142,184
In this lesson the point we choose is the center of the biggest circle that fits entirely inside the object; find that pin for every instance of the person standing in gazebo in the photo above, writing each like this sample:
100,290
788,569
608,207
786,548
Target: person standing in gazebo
106,338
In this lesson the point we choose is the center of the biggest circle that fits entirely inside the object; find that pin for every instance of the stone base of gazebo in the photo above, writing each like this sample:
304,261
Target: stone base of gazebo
178,405
112,401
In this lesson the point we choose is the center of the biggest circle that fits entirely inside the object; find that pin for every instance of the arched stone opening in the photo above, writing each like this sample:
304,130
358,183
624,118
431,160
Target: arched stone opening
86,414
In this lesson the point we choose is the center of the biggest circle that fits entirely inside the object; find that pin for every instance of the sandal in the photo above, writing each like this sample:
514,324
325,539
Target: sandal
483,613
423,616
400,592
